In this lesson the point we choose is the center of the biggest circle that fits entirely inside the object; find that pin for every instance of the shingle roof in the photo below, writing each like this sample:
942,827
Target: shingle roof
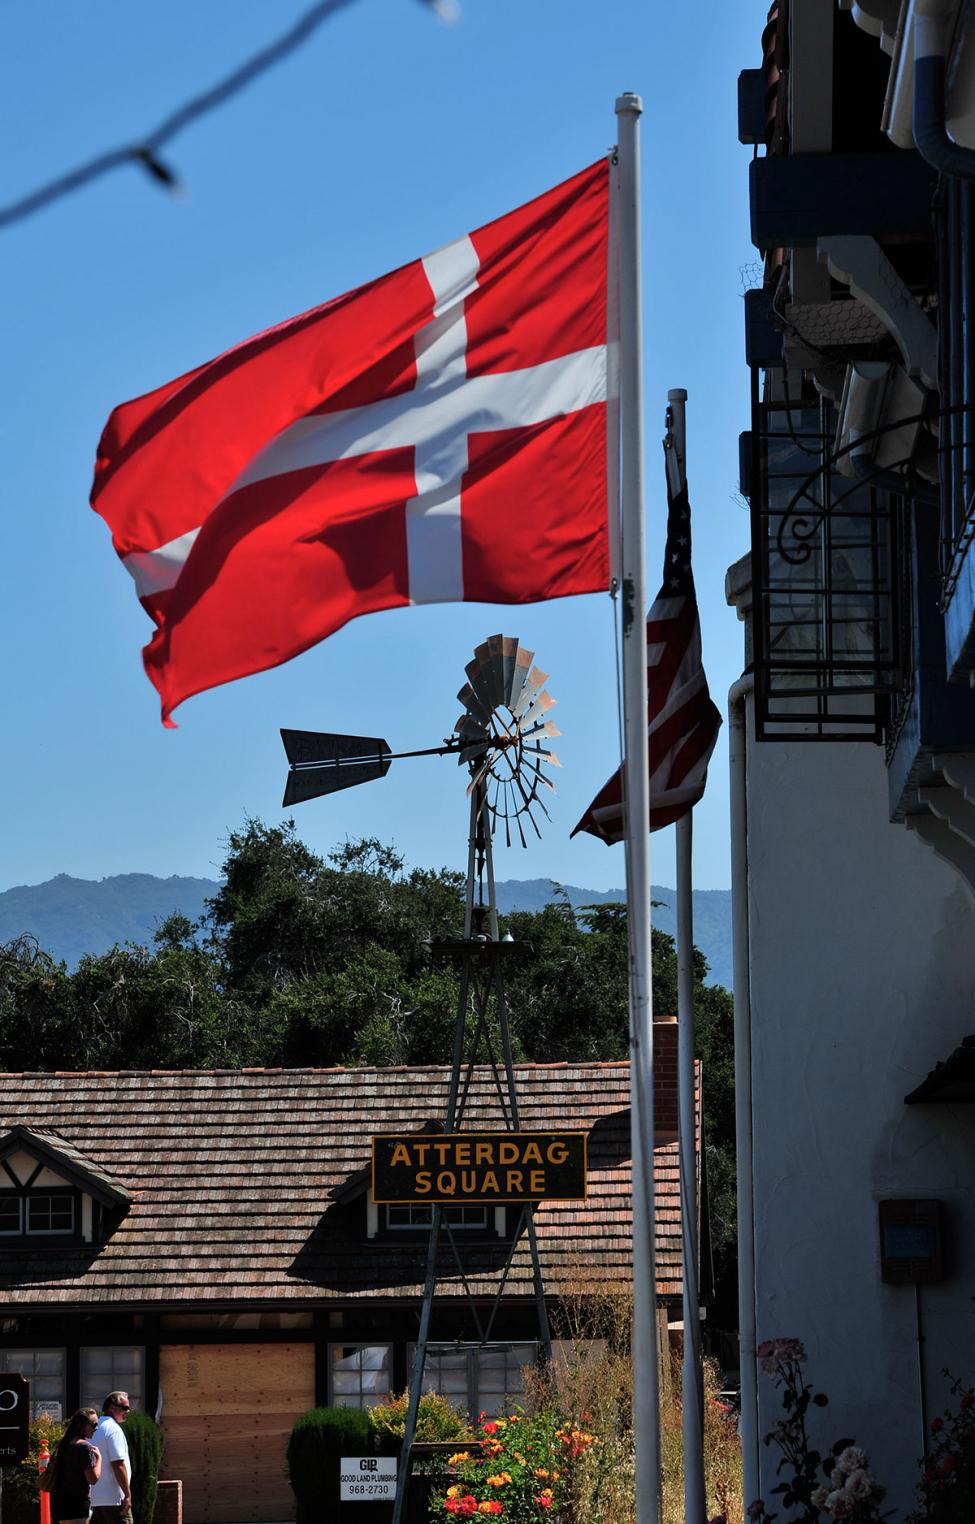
58,1151
231,1173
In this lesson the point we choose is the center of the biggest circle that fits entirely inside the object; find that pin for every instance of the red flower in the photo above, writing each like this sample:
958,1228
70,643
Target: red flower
949,1464
937,1424
491,1428
543,1501
967,1399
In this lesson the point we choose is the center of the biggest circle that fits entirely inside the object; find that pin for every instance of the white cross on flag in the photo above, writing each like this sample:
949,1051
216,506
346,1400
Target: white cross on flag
438,434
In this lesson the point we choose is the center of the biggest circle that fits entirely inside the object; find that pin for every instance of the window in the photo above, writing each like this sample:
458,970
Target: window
360,1375
418,1216
44,1369
479,1378
11,1213
112,1368
49,1212
38,1212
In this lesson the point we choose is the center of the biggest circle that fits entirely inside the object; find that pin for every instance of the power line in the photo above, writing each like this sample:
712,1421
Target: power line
145,152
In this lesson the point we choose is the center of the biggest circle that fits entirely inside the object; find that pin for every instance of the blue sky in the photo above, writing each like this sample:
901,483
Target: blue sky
386,136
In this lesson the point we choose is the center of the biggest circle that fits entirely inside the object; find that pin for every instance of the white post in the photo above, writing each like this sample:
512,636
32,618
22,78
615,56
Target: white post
636,790
737,755
692,1396
692,1400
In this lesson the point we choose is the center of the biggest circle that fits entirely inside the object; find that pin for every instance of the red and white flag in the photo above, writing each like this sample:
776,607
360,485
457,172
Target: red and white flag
439,434
683,723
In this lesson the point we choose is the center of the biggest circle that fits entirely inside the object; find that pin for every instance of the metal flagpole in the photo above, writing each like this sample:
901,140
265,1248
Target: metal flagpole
692,1398
636,781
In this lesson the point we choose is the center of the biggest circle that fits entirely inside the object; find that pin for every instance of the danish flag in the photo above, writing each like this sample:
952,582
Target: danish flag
442,433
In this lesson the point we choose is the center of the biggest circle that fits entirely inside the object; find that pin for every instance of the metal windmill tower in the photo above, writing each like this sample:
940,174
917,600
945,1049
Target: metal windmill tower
502,739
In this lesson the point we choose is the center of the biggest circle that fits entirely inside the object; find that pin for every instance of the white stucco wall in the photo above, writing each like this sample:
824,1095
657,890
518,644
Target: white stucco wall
862,978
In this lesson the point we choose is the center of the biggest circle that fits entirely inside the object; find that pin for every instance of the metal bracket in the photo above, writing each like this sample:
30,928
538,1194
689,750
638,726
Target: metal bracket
949,827
860,263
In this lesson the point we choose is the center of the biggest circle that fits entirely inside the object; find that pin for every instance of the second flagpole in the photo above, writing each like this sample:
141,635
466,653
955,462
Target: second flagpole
692,1395
636,792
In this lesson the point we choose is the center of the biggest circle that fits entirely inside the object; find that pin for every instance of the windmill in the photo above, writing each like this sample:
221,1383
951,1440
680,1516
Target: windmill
501,737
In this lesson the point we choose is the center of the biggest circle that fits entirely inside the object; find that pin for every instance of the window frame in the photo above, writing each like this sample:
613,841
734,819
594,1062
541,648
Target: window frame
137,1397
471,1351
25,1195
481,1226
340,1400
9,1354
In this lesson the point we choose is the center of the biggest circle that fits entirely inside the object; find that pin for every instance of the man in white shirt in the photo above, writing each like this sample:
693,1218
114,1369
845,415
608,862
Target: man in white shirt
111,1496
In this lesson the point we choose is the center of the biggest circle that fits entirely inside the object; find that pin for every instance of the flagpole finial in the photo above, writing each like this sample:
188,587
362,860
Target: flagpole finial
628,103
677,394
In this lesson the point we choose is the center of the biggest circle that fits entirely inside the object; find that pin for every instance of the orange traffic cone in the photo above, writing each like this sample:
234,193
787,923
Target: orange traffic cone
43,1457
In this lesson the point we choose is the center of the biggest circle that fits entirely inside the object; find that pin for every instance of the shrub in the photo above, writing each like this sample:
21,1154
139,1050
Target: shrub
318,1440
437,1419
20,1491
145,1441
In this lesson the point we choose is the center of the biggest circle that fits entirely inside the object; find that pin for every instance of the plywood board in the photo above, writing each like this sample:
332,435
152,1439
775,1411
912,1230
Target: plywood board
228,1410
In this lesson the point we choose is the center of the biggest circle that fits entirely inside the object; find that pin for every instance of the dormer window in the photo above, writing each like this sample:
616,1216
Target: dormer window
42,1212
49,1190
417,1215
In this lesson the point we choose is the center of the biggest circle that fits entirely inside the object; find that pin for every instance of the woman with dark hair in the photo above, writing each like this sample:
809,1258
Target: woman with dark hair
77,1465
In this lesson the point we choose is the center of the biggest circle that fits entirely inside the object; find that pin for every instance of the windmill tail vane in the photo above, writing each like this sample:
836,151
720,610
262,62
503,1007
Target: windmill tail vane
500,736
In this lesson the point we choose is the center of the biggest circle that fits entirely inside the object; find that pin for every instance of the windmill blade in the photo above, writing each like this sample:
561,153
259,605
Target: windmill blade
323,763
509,656
549,756
479,683
537,711
473,705
536,679
498,684
519,677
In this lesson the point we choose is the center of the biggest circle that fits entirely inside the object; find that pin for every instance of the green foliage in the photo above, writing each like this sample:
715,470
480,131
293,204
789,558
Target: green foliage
319,1438
145,1441
436,1420
19,1483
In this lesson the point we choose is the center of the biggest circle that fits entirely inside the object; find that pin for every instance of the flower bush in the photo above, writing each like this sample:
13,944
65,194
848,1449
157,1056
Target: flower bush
850,1492
522,1467
436,1419
947,1488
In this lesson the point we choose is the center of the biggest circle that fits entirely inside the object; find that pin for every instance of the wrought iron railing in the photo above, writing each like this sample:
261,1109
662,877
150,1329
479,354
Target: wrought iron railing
828,563
955,217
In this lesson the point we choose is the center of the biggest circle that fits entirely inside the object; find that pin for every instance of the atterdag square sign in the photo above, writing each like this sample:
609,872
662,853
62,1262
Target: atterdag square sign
482,1168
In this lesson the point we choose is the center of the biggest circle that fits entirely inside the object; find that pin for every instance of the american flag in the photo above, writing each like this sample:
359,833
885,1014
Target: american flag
683,722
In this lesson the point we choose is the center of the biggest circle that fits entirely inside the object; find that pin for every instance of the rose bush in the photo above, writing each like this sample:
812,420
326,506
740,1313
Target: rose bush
947,1489
522,1467
850,1492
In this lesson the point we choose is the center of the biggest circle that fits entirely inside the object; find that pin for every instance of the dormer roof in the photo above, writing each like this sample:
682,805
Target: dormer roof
62,1156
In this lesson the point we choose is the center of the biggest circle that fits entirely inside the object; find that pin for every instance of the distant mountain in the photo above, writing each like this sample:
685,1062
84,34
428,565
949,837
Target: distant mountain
712,913
73,916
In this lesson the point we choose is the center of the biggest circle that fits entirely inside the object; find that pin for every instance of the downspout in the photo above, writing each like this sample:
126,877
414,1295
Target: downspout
737,753
930,132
